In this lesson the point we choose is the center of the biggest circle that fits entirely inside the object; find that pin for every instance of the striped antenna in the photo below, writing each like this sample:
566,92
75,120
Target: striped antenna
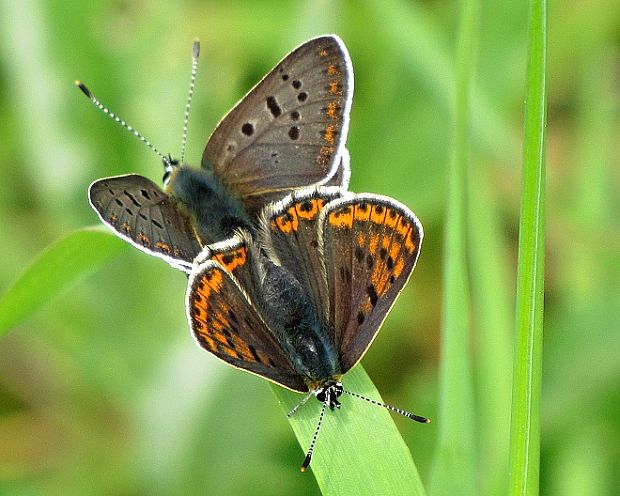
328,395
308,458
301,403
192,81
166,159
400,411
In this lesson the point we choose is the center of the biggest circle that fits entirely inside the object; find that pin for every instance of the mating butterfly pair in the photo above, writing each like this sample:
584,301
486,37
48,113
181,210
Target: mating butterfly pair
290,275
288,132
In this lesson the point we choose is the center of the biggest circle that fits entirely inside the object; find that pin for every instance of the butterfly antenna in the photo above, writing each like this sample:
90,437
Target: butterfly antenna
404,413
301,403
190,94
166,159
308,458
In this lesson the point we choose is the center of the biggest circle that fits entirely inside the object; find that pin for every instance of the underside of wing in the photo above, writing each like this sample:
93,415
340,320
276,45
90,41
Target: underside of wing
342,175
289,130
140,212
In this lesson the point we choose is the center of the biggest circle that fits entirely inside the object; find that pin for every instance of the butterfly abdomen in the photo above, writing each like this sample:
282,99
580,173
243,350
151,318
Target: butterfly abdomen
215,213
291,313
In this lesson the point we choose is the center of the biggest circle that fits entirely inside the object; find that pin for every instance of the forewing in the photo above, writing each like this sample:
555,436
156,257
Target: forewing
343,172
140,212
289,130
224,322
370,245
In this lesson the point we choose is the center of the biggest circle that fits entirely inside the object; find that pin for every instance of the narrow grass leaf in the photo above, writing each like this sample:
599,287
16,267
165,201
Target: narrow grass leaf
58,267
454,467
413,31
359,449
525,428
493,319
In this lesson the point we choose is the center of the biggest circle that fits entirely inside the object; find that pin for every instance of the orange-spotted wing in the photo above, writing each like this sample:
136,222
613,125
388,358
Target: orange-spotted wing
370,247
290,130
340,261
290,236
225,321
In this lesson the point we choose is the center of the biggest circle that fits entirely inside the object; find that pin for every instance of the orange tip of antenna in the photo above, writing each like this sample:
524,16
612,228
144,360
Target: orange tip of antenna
77,82
302,469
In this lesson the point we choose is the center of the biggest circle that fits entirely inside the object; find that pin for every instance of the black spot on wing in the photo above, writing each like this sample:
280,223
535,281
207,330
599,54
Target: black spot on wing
372,294
274,107
247,129
293,133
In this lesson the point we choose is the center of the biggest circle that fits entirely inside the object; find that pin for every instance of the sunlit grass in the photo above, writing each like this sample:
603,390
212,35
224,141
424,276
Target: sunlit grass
454,469
527,378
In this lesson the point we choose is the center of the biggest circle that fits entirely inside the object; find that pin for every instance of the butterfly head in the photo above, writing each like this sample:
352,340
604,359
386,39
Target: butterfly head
329,394
170,164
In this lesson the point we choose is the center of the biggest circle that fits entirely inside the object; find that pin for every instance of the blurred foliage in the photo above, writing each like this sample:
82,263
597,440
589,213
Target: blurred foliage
103,392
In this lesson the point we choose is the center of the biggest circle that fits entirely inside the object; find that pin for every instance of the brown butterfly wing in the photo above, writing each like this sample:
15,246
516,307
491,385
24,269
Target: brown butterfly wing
224,322
289,130
290,236
370,246
141,213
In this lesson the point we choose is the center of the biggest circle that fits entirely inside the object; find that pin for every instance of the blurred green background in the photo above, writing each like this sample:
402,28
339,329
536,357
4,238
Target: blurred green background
104,392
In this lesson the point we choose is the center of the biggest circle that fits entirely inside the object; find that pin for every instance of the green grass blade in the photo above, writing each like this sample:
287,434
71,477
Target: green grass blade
493,310
58,267
525,428
409,24
359,449
454,468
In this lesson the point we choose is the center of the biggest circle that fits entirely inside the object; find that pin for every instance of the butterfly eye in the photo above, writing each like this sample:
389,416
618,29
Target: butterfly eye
338,389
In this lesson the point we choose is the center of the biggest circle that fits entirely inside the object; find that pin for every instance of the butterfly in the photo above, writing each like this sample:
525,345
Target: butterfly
300,303
288,132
